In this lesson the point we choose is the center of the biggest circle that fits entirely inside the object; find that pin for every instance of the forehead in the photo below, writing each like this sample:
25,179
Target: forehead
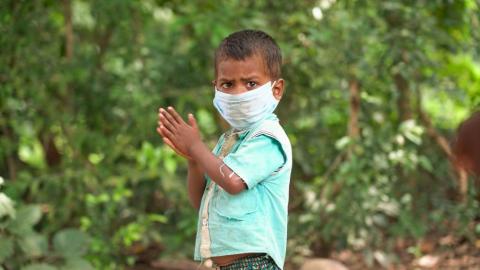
252,66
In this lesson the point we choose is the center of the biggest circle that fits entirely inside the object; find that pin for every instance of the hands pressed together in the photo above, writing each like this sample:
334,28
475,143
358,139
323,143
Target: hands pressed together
184,138
176,133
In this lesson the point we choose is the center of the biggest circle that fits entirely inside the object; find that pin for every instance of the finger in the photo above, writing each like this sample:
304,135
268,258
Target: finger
172,146
166,140
161,111
175,149
167,133
192,121
162,120
166,114
159,131
161,116
167,124
160,123
170,118
175,115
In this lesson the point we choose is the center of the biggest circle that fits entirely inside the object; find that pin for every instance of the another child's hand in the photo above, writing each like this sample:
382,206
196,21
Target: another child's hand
179,135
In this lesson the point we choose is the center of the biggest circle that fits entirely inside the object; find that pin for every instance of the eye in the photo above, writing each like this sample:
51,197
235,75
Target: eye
226,85
251,84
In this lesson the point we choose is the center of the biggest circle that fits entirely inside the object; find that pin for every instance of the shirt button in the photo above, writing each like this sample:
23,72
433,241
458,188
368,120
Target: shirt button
205,222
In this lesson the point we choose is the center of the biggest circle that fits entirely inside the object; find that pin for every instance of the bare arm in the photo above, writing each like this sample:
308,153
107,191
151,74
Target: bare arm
216,169
196,184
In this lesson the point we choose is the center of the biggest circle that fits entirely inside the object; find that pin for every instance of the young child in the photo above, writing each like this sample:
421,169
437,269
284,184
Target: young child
241,189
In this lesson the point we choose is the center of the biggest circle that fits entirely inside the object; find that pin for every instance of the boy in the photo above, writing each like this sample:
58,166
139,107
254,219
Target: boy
241,189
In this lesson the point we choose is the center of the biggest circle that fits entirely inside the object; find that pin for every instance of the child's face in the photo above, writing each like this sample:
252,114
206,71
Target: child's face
240,76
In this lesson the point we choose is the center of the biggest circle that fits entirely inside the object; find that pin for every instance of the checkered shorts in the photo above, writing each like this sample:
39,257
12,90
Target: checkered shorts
254,262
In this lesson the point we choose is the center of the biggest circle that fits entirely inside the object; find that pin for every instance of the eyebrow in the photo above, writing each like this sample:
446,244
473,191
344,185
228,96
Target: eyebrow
250,78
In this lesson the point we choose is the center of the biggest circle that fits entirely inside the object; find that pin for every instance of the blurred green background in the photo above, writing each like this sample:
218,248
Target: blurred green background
374,93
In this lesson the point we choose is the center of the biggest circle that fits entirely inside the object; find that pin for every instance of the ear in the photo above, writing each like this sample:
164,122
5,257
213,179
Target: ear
278,89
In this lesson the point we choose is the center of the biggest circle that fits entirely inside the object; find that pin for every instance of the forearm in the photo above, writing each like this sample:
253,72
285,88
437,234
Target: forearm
196,184
216,169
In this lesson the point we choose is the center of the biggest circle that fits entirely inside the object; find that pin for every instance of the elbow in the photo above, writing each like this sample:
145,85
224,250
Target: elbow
233,191
195,204
235,187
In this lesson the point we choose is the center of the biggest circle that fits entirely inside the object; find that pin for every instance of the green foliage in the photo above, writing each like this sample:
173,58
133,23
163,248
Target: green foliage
82,160
21,245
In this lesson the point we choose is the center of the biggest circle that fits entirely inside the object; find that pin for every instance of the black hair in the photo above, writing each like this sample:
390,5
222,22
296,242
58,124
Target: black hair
243,44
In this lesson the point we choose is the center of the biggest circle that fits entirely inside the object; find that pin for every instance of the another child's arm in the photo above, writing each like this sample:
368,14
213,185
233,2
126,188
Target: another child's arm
186,139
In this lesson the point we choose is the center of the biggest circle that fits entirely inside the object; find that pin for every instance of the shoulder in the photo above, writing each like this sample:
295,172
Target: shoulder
273,130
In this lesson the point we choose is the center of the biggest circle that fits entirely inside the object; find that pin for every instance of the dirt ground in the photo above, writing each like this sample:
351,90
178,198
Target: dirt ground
446,253
436,253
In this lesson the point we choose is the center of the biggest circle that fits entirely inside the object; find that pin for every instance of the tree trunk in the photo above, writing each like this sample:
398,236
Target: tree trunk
52,155
10,156
353,126
403,101
67,9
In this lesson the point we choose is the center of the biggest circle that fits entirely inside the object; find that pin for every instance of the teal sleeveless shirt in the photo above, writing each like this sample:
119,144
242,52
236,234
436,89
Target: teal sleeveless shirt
255,220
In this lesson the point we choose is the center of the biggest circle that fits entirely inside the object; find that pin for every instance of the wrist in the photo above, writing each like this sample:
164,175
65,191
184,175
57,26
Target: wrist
192,162
193,148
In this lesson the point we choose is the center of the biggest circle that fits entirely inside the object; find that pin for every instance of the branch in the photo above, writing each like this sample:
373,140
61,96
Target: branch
67,13
403,101
103,41
353,127
442,142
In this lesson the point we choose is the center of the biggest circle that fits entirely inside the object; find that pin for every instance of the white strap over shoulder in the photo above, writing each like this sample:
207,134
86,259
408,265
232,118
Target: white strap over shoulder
269,128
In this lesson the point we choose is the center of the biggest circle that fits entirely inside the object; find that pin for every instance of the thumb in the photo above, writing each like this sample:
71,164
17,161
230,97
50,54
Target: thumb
192,121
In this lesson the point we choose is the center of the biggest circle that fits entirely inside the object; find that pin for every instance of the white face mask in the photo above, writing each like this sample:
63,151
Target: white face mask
243,110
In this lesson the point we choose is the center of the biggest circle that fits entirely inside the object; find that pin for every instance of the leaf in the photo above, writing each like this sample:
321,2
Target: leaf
39,266
30,214
25,218
6,248
31,152
6,206
158,218
425,163
77,264
71,243
170,164
342,143
34,245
